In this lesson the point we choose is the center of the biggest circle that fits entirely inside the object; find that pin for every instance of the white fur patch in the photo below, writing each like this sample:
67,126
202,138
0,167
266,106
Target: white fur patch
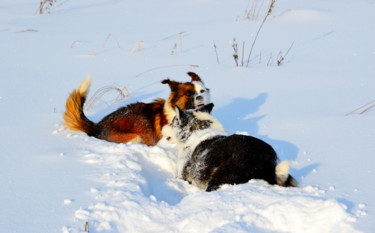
282,172
199,86
203,116
202,90
136,140
169,133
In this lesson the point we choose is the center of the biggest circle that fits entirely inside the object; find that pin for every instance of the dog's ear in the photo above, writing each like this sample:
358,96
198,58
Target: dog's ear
179,113
166,81
172,84
206,108
194,77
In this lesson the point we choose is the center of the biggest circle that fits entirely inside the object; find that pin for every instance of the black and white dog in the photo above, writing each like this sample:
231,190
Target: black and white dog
208,158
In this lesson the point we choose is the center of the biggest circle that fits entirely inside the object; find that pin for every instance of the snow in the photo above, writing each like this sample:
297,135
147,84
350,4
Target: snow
55,180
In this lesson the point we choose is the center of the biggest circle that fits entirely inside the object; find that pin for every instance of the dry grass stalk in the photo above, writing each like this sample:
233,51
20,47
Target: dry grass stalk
137,46
123,93
235,48
110,35
252,11
363,109
27,30
178,42
243,52
281,57
269,12
180,39
174,47
87,227
217,55
236,56
270,60
46,6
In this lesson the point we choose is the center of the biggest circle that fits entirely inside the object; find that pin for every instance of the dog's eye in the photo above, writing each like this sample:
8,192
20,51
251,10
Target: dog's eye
203,91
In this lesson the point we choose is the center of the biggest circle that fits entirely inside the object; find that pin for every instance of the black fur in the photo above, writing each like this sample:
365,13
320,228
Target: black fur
231,159
220,159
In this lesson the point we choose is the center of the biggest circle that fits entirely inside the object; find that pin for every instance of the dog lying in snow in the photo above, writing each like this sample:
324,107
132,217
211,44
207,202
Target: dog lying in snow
138,122
208,158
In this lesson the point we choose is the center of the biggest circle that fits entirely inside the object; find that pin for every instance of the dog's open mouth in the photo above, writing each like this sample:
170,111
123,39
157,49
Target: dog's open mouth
198,106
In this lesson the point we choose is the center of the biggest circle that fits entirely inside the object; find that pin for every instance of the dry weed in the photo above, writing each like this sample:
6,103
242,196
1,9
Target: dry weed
235,48
46,6
27,30
279,58
269,12
87,227
122,94
217,55
137,46
363,109
178,43
252,10
282,56
102,49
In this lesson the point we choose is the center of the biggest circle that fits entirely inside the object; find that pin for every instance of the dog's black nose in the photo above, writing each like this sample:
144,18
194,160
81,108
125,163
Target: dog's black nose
199,98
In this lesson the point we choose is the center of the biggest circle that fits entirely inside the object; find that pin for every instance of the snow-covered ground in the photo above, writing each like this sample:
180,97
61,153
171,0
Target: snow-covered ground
54,180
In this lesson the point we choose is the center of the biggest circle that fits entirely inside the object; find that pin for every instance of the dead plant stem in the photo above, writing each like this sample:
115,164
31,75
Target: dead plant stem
272,4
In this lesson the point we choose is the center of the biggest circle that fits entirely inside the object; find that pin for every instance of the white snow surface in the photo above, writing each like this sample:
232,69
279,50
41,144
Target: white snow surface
55,180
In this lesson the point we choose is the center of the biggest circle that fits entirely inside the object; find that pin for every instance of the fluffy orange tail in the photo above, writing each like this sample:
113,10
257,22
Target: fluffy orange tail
74,117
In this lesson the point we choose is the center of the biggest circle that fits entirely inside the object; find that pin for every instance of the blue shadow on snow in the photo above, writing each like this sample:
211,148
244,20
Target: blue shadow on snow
234,118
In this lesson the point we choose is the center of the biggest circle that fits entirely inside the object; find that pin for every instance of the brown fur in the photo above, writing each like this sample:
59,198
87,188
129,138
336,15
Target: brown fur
138,122
74,117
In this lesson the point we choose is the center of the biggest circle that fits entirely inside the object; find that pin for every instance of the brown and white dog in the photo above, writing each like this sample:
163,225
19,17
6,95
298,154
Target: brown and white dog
139,122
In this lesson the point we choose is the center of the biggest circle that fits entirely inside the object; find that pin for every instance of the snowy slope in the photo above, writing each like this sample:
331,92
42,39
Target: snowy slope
54,180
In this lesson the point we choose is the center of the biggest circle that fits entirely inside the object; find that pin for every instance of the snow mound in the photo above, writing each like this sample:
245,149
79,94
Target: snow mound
139,193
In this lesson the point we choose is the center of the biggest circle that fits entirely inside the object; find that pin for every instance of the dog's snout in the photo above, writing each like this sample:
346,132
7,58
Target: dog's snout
199,98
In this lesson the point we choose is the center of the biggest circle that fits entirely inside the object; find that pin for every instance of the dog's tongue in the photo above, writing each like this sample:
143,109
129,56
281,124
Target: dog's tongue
198,106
